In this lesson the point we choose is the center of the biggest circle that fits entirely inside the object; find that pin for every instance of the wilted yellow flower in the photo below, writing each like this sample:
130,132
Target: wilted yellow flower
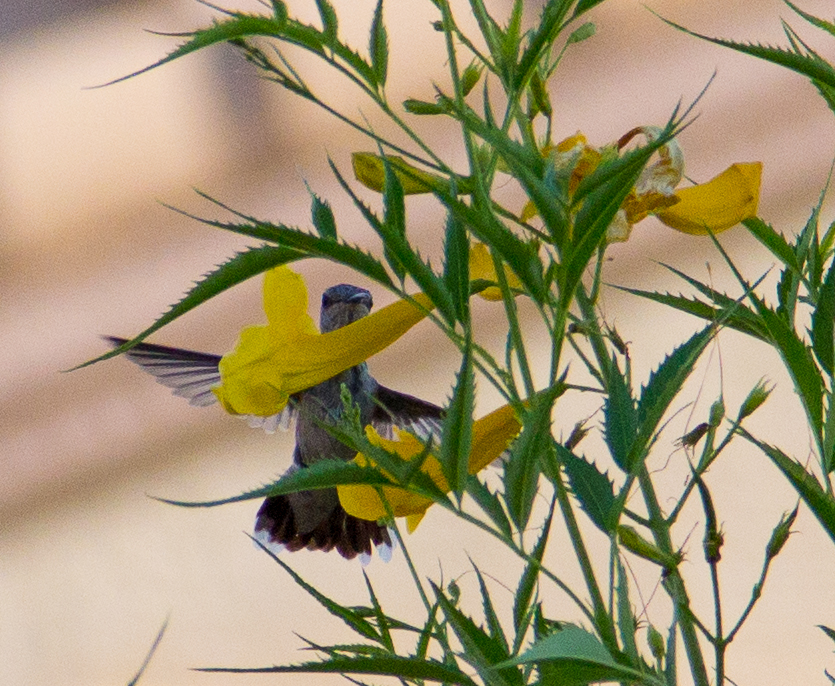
288,355
714,206
491,436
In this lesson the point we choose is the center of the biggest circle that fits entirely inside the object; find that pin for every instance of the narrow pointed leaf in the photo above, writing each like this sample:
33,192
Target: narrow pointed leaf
378,46
458,426
821,503
494,626
322,217
527,582
391,665
330,23
490,503
243,266
773,241
321,474
620,416
350,617
823,323
457,266
382,621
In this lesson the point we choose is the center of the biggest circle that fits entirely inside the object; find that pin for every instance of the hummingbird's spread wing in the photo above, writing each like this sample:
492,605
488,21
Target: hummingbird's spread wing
192,375
406,412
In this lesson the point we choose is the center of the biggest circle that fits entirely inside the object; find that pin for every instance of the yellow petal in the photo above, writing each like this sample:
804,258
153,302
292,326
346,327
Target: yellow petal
482,268
370,171
718,204
491,436
270,363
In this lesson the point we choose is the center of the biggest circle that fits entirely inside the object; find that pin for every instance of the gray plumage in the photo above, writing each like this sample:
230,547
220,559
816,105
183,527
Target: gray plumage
311,519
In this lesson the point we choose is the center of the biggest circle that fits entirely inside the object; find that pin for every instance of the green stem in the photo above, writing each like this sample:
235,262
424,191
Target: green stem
674,583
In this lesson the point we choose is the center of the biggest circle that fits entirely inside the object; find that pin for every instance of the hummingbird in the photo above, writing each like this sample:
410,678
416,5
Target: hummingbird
312,520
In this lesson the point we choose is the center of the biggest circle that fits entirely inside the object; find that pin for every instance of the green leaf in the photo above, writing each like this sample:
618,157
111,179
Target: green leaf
829,632
457,266
243,266
322,216
821,503
823,323
576,658
481,650
810,65
583,32
490,503
620,417
394,220
238,27
320,474
378,46
627,623
350,617
392,665
522,468
527,582
592,488
494,626
541,40
584,6
773,241
470,77
330,23
458,426
663,386
382,621
827,26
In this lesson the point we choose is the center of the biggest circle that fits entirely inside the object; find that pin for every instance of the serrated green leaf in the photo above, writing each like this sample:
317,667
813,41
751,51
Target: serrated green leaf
541,40
458,426
322,217
470,77
827,26
481,650
494,626
457,266
584,6
773,241
394,220
583,32
821,503
592,488
527,582
663,386
392,665
320,474
346,614
620,416
330,22
490,503
576,658
627,624
810,65
823,323
243,266
237,27
382,621
522,468
378,46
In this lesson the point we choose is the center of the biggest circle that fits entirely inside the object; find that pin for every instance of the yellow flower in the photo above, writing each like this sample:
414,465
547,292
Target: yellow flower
491,436
288,355
714,206
719,204
482,268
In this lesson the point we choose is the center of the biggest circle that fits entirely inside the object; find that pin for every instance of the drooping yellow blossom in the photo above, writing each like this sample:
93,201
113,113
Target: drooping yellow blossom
491,436
719,204
715,206
288,355
482,268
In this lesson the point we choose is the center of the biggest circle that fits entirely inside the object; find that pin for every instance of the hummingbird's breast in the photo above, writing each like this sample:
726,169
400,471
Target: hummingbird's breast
323,403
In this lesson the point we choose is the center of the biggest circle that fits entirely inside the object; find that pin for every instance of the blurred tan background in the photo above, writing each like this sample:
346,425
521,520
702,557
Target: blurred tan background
90,566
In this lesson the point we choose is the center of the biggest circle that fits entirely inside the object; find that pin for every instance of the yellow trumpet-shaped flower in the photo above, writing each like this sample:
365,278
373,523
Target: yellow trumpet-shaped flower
490,438
289,355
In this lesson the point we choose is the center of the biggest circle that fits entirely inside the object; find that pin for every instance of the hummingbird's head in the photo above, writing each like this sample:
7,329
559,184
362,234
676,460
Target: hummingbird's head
342,305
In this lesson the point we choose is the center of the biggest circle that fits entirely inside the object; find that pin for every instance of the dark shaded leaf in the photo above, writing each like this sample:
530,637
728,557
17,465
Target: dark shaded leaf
490,503
527,582
823,323
378,45
458,426
620,416
592,488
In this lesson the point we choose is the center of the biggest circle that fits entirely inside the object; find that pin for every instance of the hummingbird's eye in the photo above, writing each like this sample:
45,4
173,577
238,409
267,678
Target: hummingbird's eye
326,300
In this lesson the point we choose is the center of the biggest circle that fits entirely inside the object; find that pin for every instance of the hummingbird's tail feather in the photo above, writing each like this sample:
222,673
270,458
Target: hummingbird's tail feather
276,526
